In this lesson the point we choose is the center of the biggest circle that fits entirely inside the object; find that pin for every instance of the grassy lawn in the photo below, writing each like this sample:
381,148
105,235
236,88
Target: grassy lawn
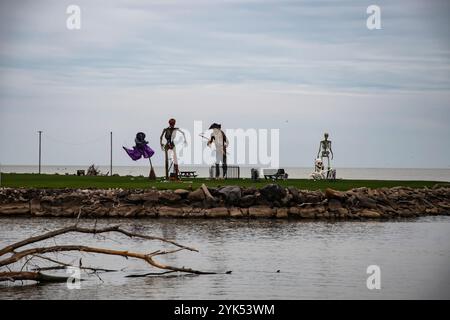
60,181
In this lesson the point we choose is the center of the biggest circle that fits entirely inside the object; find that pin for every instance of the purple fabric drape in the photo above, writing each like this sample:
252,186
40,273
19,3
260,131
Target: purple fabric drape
137,152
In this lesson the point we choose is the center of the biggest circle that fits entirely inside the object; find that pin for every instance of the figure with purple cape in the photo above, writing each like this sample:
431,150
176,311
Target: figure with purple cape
141,149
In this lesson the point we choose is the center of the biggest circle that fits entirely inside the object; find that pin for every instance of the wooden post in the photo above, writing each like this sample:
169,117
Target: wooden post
166,163
111,157
40,153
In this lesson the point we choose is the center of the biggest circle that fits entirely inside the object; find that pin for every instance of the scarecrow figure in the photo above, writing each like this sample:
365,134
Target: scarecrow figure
141,149
221,143
169,134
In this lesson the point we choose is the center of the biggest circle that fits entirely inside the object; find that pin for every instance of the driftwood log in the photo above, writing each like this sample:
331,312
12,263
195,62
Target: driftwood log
15,253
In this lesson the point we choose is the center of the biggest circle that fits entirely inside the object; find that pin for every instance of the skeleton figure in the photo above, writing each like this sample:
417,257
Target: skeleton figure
169,134
221,143
325,147
319,170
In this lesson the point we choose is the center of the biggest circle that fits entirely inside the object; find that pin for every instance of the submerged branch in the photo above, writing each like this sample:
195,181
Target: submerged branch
33,276
127,254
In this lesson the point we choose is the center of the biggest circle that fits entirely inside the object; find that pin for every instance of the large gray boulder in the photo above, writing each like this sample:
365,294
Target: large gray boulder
196,195
247,201
273,192
231,194
169,197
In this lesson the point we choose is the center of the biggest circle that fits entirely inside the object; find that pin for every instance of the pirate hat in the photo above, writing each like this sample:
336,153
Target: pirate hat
215,126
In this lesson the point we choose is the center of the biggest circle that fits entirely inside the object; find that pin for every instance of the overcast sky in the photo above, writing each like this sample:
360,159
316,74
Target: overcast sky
304,67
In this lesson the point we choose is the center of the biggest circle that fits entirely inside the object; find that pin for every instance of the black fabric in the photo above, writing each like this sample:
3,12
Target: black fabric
168,132
140,140
224,165
224,138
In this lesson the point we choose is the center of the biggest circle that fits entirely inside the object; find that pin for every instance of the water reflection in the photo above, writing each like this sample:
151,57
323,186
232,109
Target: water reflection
316,259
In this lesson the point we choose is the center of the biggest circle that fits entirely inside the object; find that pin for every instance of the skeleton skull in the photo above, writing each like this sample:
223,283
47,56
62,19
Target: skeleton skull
319,164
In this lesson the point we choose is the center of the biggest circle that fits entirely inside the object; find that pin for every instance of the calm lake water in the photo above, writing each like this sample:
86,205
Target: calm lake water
316,259
294,172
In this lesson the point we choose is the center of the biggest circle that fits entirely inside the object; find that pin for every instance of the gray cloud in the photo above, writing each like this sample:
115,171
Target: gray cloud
382,94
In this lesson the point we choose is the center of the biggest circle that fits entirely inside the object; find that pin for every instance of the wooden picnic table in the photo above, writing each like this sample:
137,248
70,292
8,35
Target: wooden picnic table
188,174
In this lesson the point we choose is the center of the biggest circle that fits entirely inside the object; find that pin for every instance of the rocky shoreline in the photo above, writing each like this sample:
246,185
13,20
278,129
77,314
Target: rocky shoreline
271,201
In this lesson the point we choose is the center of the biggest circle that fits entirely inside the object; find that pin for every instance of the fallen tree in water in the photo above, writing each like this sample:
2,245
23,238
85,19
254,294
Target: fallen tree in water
11,256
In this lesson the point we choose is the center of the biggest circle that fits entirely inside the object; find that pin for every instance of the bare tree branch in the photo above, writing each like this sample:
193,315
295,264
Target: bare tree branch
15,256
75,228
63,265
149,274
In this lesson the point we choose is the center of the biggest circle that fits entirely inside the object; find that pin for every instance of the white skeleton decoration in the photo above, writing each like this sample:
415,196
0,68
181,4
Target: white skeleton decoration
319,172
319,168
325,147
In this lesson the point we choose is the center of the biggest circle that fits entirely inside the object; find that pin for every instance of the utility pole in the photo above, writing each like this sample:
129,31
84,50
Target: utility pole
110,164
40,136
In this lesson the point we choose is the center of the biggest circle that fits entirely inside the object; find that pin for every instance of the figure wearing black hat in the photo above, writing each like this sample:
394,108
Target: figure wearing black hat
221,143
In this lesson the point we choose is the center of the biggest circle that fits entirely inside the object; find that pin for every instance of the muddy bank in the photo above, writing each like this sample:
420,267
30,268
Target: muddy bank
271,201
